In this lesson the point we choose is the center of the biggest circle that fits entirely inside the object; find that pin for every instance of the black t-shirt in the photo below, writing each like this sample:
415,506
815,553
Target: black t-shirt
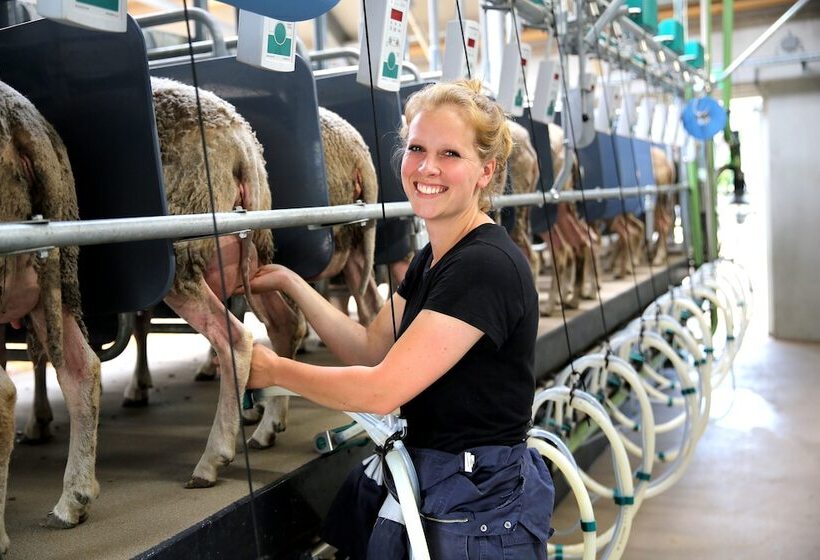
486,398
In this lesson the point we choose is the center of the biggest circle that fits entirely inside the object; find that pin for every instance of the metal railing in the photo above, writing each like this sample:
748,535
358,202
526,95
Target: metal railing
42,234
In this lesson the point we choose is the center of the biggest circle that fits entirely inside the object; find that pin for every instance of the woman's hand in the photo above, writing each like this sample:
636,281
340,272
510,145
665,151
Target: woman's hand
263,367
269,278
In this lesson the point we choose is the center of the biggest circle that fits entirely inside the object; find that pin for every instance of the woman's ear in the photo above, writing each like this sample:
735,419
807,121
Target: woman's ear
487,172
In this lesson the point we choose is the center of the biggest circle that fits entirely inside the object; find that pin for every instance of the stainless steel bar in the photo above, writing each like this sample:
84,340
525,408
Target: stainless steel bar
349,53
196,14
433,34
615,8
532,13
760,40
16,237
794,58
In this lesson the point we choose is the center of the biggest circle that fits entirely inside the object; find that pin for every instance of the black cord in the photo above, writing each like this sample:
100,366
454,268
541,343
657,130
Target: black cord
223,284
566,114
463,42
575,373
379,158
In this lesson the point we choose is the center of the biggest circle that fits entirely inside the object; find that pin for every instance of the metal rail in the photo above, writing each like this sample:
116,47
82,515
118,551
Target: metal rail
37,235
197,14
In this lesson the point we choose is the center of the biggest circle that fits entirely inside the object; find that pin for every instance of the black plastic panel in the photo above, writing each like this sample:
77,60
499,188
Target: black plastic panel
352,101
540,218
93,87
281,108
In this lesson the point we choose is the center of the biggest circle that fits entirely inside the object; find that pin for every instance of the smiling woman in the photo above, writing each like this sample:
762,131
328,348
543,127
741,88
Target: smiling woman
461,366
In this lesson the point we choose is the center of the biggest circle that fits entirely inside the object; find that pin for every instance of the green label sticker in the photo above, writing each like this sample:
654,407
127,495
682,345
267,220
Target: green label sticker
278,42
113,5
390,69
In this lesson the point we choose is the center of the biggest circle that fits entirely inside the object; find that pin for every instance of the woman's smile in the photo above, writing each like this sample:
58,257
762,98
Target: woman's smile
430,189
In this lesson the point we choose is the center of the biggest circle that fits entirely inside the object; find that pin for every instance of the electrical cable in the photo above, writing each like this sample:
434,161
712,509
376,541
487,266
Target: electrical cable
223,284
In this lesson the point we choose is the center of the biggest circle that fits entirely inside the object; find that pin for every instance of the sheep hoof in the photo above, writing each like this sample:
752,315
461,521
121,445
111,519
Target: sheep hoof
251,417
205,376
54,522
256,444
43,436
135,403
199,482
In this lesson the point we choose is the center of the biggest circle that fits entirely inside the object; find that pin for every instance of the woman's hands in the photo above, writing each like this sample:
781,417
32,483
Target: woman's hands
270,278
263,367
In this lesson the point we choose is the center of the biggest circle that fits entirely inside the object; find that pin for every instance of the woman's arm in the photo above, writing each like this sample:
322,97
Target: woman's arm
348,340
431,345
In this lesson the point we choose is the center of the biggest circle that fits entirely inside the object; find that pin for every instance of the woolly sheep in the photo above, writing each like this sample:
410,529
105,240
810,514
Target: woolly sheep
238,177
41,290
569,240
664,217
351,177
522,168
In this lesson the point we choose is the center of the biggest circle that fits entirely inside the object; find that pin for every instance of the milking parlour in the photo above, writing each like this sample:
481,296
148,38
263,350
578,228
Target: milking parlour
234,295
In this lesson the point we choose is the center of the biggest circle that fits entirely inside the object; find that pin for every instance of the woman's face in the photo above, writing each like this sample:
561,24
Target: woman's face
441,170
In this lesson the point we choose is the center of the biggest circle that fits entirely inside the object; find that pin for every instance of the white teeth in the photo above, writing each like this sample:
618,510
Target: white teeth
430,189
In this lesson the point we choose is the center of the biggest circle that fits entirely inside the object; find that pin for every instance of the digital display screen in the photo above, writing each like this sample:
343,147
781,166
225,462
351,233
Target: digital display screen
523,62
396,14
471,42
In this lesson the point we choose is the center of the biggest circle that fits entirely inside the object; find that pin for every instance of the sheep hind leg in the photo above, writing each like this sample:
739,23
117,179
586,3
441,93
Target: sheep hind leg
210,367
136,393
8,398
206,314
79,378
37,428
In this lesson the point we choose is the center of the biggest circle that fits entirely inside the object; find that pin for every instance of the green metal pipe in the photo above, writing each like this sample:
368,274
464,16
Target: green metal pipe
728,30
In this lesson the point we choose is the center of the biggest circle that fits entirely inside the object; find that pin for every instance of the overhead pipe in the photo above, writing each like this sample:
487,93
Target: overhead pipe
42,234
615,9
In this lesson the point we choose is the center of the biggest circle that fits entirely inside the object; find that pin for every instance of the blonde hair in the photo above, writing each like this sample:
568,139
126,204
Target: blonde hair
493,140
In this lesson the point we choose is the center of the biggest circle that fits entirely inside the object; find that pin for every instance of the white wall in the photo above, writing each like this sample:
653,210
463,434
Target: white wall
790,141
792,113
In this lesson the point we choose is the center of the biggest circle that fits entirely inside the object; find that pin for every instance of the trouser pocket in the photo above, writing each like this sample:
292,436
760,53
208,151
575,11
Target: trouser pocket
519,544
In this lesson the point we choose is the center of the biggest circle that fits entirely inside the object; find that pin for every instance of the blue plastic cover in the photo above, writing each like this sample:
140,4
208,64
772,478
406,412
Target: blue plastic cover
703,118
285,10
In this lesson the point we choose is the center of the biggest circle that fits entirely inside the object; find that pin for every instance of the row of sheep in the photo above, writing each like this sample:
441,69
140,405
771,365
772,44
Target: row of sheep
41,291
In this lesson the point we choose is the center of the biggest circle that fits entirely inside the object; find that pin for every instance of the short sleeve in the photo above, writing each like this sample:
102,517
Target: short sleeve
480,286
413,273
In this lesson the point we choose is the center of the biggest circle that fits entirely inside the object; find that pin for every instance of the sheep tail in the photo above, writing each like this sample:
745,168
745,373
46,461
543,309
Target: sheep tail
51,295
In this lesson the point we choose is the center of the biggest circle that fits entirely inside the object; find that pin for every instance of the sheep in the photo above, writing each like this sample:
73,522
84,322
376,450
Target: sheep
41,291
522,168
239,178
351,176
664,215
572,241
